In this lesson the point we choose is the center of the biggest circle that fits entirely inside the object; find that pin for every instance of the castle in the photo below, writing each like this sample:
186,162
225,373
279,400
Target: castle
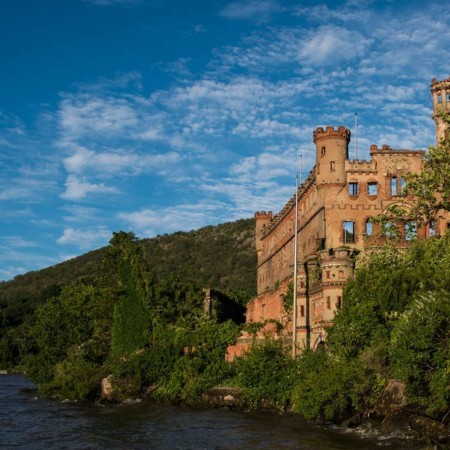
335,204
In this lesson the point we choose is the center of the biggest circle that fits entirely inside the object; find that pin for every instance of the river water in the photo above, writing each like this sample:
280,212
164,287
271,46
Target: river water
28,422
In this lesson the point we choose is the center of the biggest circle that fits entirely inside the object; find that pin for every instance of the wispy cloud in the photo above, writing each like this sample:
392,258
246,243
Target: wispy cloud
258,10
85,238
77,189
114,2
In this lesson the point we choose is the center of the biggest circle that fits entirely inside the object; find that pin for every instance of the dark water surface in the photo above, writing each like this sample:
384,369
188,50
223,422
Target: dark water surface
31,423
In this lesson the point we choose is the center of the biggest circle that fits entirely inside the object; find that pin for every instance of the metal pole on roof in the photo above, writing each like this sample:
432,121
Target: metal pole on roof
356,135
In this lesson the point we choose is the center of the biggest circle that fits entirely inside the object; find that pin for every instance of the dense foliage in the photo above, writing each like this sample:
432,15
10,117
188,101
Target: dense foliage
395,324
152,335
221,257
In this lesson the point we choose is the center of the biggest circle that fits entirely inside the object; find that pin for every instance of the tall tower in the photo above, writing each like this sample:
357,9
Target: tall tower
440,91
331,153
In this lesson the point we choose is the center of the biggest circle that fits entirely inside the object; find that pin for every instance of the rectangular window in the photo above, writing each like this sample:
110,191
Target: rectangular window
341,274
390,230
439,98
328,274
394,186
302,311
372,188
339,302
348,231
410,231
328,302
323,150
332,166
402,186
369,228
431,228
353,188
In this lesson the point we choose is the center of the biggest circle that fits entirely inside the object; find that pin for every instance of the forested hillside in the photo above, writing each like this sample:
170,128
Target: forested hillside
221,257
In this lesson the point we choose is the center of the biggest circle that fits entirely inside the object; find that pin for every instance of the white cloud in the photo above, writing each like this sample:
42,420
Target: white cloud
18,241
85,238
183,217
259,10
330,44
77,189
86,115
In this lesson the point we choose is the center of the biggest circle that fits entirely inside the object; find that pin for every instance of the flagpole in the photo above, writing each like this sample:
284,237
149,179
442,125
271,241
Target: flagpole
294,293
356,135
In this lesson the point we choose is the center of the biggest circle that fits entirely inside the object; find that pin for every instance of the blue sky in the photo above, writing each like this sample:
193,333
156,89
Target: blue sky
163,115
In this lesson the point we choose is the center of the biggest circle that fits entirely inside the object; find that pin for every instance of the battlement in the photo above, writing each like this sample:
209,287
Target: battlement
360,166
437,86
331,133
263,215
386,149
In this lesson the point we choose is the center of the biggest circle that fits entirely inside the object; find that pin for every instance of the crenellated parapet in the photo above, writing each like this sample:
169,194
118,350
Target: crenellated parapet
331,133
360,166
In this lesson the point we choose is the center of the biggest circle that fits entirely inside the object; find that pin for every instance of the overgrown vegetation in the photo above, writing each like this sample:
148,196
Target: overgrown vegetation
221,257
151,335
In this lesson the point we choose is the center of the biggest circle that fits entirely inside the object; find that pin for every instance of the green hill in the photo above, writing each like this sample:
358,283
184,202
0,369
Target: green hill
221,257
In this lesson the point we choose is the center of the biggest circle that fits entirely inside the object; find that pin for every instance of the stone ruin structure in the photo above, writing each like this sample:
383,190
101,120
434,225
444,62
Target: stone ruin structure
335,204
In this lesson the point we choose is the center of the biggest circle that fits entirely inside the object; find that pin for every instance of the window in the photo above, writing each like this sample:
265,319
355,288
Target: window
439,98
394,186
353,188
410,231
302,311
339,302
431,228
372,188
328,274
402,186
390,230
341,274
328,302
332,166
369,227
323,150
448,97
348,231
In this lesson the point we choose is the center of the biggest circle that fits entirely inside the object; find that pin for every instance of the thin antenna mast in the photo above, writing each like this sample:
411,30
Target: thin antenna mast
356,135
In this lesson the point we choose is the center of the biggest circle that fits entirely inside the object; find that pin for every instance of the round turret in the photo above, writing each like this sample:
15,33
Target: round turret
331,153
440,92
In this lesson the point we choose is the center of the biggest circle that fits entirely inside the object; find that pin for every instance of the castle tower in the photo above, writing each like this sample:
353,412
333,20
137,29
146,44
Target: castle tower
331,153
440,91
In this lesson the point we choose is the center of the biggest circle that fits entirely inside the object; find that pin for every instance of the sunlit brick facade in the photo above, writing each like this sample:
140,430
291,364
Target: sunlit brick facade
335,203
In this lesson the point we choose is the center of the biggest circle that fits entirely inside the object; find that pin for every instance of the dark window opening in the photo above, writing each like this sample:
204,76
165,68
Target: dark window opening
332,166
353,188
339,302
323,150
348,231
431,228
328,302
302,311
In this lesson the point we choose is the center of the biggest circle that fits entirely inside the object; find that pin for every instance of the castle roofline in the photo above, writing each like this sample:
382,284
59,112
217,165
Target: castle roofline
386,149
331,133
